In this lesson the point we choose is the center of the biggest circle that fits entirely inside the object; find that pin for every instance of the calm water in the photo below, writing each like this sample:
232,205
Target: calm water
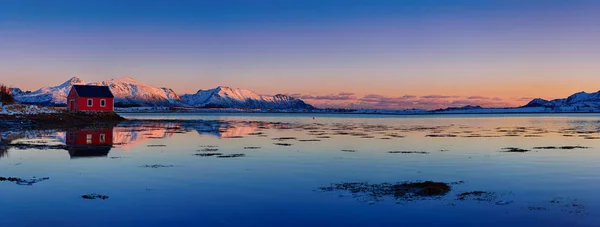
162,173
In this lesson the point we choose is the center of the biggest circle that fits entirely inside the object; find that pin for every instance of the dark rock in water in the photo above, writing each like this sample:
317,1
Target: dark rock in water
94,196
349,150
156,145
514,150
283,144
231,156
20,181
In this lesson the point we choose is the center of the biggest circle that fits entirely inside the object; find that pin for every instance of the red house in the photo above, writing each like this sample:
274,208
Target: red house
90,98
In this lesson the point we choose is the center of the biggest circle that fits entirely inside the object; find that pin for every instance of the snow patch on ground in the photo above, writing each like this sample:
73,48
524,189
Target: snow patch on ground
20,109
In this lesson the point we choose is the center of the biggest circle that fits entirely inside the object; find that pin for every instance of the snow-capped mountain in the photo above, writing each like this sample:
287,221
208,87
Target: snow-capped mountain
226,97
128,91
47,95
578,102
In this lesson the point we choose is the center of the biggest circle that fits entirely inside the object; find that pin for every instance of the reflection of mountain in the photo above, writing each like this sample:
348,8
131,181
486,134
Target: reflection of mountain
95,142
131,133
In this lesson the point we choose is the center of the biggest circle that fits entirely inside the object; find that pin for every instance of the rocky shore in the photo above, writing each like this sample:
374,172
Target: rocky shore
53,118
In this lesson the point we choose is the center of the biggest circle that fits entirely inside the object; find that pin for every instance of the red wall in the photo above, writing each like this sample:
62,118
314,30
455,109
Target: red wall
79,137
81,103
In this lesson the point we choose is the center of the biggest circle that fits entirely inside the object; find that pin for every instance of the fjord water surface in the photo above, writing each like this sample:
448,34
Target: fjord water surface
286,170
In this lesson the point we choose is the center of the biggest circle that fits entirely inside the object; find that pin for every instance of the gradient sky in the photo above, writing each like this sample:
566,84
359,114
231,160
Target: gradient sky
368,53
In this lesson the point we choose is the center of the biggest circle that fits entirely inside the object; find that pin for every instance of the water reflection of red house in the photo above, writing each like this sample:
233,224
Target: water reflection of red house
89,142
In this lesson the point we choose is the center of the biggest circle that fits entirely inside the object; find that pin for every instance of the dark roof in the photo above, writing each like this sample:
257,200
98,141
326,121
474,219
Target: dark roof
89,91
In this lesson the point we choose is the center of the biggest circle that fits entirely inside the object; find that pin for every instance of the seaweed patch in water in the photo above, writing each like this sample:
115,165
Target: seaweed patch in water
477,195
408,152
440,135
20,181
309,140
157,145
156,166
349,150
94,196
283,144
284,138
207,154
251,148
514,150
400,191
231,156
209,149
562,147
572,206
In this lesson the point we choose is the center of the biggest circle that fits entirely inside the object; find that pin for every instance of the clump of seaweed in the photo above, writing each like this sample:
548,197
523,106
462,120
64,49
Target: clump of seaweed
251,148
310,140
21,181
561,147
231,156
284,138
209,149
207,154
347,150
477,195
94,196
440,135
156,166
572,206
408,152
514,150
283,144
157,145
400,191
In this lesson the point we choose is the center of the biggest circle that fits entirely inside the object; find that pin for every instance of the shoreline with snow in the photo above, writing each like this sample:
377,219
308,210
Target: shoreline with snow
450,111
21,116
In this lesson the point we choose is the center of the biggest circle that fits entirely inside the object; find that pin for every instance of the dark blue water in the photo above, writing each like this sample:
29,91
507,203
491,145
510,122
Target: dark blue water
153,176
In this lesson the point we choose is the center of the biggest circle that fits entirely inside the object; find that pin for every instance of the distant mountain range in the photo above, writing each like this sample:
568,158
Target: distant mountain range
578,102
129,92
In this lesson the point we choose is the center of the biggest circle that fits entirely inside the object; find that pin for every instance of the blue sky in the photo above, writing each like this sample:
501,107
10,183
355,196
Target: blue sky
504,51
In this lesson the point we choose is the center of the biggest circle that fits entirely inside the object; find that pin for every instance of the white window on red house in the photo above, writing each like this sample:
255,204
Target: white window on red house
88,139
90,102
102,102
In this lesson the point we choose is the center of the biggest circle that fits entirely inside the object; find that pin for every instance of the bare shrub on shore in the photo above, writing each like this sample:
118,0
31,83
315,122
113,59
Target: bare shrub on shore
5,95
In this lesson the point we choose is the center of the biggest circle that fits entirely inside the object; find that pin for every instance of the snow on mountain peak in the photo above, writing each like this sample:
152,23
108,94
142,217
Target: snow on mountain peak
128,91
73,81
227,97
49,95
